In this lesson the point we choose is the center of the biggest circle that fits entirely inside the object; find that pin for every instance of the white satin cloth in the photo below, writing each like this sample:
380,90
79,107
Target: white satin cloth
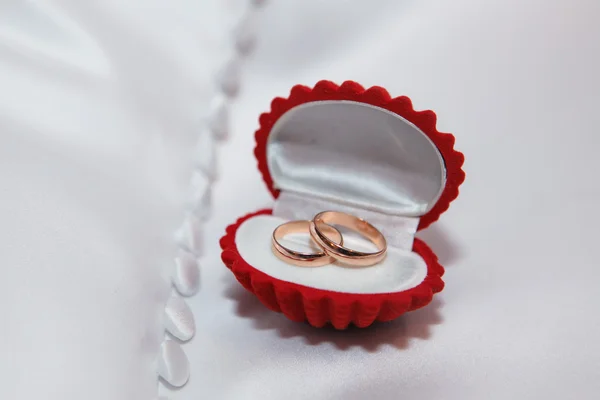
100,106
517,82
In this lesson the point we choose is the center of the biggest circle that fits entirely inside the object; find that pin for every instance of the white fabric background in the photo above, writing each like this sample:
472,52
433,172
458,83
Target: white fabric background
101,104
517,82
94,162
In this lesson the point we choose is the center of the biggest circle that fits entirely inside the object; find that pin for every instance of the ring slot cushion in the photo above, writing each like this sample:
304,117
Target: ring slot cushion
360,151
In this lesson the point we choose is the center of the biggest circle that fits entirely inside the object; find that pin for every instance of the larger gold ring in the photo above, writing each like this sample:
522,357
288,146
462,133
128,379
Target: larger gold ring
295,257
341,253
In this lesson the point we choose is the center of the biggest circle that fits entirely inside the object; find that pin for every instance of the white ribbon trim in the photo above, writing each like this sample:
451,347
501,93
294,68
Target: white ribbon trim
172,363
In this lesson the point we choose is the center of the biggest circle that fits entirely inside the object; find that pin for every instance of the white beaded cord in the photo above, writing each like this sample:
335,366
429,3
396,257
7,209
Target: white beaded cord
172,363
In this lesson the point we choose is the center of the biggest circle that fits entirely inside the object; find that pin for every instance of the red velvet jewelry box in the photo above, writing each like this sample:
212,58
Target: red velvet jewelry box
360,151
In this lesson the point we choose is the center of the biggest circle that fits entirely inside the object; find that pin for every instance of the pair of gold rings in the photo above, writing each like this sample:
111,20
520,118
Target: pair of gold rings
330,240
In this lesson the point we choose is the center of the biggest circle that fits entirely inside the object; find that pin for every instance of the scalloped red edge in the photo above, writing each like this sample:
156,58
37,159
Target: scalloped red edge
320,307
379,97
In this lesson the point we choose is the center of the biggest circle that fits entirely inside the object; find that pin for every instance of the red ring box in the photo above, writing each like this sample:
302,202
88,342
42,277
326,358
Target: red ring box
360,151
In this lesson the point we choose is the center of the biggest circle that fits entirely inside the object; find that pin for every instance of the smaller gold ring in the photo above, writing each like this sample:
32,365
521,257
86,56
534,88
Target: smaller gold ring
337,250
298,258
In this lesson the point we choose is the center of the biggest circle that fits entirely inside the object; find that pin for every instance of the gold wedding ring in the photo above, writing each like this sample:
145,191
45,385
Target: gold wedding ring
298,258
320,232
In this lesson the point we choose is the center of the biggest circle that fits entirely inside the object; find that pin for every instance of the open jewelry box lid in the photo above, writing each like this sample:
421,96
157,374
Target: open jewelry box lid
345,143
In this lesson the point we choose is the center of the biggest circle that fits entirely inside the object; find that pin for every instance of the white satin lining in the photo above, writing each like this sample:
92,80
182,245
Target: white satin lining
356,154
400,270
